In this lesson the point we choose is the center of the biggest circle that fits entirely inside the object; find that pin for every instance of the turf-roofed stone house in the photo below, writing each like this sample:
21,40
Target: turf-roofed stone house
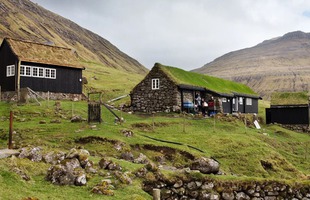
40,67
290,108
172,89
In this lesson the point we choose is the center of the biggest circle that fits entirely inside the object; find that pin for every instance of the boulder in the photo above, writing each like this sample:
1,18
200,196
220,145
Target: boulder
59,175
104,188
205,165
54,157
123,177
103,163
127,133
151,167
68,172
32,153
141,172
142,159
228,195
81,154
127,156
242,196
76,119
108,164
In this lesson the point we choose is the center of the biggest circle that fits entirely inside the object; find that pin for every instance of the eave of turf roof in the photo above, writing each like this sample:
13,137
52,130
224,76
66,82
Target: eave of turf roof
218,85
289,98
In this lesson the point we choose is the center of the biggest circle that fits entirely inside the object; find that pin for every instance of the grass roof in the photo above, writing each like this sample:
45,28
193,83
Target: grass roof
46,54
215,84
289,98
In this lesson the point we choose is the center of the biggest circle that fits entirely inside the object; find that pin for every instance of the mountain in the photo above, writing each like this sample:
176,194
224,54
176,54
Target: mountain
279,64
23,19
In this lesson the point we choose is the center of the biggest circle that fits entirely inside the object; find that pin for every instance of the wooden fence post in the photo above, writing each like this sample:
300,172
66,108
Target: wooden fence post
10,146
156,194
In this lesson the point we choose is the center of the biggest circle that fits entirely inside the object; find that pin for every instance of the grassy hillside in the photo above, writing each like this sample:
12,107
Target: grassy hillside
276,65
111,82
240,150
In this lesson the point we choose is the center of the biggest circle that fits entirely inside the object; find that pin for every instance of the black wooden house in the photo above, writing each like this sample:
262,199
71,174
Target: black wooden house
290,108
40,67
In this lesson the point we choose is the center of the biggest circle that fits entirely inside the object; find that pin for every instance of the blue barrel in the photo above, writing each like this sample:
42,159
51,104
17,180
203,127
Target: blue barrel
188,104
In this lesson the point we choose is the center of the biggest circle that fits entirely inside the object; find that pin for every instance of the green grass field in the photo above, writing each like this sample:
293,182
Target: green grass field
239,149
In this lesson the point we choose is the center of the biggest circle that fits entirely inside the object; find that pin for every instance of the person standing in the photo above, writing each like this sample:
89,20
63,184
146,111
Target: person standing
204,107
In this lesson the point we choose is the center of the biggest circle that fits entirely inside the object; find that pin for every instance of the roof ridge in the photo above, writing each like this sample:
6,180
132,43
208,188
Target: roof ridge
38,43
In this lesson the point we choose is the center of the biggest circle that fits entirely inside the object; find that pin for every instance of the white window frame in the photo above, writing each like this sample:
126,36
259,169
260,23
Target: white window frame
43,72
155,83
224,100
33,71
234,101
240,100
248,101
23,70
53,73
10,70
47,73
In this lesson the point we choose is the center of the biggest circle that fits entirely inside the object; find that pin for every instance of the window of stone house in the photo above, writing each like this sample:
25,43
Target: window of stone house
248,101
155,84
224,100
240,100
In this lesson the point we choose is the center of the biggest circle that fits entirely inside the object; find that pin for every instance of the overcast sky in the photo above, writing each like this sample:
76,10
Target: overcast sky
184,33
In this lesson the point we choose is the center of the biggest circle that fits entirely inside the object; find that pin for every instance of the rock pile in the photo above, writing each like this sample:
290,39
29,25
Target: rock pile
69,169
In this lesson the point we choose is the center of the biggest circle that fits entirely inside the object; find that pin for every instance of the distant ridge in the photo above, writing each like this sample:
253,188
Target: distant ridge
25,20
275,65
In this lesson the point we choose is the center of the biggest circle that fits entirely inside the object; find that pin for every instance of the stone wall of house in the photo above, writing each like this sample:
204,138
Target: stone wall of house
144,99
204,189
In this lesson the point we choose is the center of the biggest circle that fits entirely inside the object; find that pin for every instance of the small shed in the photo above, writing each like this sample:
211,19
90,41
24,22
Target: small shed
169,88
41,67
288,108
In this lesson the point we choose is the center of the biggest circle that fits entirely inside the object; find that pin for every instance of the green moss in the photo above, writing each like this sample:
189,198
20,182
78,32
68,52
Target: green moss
211,83
289,98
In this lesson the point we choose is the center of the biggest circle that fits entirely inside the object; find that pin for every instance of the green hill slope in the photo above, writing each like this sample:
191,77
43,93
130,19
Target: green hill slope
243,152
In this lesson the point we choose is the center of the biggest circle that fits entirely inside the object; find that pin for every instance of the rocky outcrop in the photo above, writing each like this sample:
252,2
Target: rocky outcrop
203,189
206,165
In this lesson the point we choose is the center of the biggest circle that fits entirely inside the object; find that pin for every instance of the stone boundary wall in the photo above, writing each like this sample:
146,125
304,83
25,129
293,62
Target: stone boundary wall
228,190
12,96
297,127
